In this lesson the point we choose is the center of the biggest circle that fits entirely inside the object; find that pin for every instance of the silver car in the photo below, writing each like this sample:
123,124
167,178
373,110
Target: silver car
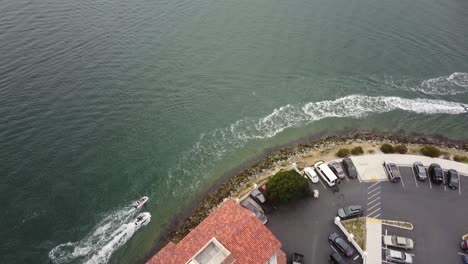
337,169
248,205
398,242
395,256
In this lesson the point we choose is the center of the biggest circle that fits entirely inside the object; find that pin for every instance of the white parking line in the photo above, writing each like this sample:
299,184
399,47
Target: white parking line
373,185
428,179
372,207
414,176
333,248
373,201
356,257
323,184
373,212
372,196
459,185
376,188
401,179
462,254
376,216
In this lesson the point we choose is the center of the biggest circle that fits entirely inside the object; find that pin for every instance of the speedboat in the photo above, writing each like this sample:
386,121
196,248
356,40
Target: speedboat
138,204
142,219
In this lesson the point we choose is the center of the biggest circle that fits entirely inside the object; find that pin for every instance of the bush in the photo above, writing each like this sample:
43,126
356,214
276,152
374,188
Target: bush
460,158
342,153
371,151
287,186
430,151
387,148
402,149
357,151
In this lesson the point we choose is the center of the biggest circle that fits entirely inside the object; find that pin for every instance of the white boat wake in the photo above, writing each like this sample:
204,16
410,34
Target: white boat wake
214,146
455,83
97,247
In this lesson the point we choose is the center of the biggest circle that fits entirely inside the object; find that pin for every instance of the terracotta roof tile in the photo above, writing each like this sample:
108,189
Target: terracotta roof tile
238,229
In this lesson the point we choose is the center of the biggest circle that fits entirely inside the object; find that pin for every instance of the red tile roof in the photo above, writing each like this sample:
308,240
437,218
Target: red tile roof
236,228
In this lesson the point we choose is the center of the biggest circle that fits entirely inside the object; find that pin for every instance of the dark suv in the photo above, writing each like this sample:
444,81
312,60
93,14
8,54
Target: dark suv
436,174
349,167
452,179
341,244
336,258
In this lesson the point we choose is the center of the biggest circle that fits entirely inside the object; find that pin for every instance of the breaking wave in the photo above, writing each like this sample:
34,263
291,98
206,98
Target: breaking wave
97,247
455,83
215,145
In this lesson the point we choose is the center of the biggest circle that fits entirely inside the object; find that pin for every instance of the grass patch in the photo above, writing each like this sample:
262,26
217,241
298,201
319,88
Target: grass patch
430,151
357,227
387,148
460,158
406,225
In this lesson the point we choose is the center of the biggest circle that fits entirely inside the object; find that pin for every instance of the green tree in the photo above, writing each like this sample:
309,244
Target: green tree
287,186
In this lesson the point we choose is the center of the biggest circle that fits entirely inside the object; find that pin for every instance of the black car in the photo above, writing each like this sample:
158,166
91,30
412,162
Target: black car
453,179
348,166
337,169
341,244
420,171
350,212
336,258
436,174
392,171
297,258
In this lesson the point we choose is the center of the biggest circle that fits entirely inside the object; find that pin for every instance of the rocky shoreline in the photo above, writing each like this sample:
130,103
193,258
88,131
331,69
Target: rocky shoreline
280,156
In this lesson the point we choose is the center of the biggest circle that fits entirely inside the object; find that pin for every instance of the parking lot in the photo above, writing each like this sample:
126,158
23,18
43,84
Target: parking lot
437,212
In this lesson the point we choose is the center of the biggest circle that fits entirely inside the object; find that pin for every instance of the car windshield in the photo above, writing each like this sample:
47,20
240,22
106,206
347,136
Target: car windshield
454,179
421,170
438,172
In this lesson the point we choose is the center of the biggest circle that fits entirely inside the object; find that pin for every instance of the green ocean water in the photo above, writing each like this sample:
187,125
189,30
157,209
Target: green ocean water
102,102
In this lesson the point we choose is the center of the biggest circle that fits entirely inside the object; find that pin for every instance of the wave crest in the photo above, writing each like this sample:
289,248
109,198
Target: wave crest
455,83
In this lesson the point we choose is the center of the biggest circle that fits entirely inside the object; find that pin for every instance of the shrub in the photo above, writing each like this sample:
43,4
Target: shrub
357,151
342,153
387,148
460,158
371,151
402,149
287,186
430,151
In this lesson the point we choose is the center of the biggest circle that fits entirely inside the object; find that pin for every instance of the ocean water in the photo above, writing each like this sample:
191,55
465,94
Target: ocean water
102,102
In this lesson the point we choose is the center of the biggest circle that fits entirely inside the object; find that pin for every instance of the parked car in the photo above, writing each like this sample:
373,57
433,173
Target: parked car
436,174
341,244
258,196
249,206
420,171
297,258
349,167
337,169
311,174
336,258
393,173
398,242
452,179
350,212
326,173
395,256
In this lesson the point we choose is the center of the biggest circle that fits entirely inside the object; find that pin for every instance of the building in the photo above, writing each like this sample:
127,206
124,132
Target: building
231,234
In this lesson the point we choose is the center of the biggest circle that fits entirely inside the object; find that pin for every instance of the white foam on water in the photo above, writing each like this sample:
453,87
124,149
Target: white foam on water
215,145
455,83
113,225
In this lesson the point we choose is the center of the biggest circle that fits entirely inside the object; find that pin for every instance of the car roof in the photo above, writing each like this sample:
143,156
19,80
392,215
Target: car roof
395,254
401,240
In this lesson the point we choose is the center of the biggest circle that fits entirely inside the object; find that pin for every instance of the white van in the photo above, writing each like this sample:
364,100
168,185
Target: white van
326,173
